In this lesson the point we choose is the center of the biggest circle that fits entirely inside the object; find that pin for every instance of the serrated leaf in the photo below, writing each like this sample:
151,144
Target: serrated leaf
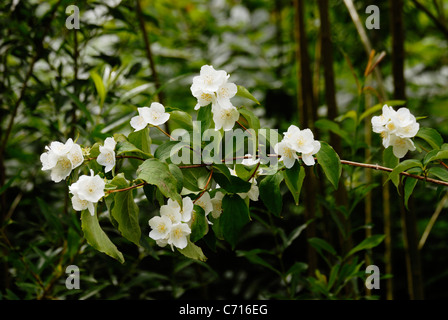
329,160
97,238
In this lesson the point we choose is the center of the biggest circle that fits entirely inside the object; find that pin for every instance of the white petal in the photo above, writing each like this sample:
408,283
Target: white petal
308,159
75,155
138,123
61,170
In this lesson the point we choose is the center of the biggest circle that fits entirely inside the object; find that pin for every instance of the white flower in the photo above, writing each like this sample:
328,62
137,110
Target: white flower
138,122
161,227
61,159
154,115
288,155
308,158
178,235
226,92
172,226
107,154
87,191
396,128
209,79
224,117
253,192
204,98
175,212
250,160
301,140
90,188
80,205
217,204
205,203
401,146
172,211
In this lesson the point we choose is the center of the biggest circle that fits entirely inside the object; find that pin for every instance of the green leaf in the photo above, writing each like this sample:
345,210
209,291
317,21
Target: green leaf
125,211
320,244
389,159
192,251
327,124
438,155
231,184
79,104
244,93
180,120
431,136
235,214
199,226
97,238
253,257
294,179
205,116
99,85
141,140
169,148
367,243
177,173
329,160
195,178
401,167
157,173
270,193
409,185
439,172
251,118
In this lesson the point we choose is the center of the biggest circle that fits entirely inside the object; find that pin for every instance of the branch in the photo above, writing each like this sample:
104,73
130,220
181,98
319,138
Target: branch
443,28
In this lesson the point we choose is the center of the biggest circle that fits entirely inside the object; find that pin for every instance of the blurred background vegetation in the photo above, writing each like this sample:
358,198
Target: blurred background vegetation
148,50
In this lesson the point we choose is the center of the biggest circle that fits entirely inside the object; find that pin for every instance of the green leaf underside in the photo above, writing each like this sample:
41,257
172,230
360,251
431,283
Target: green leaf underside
97,238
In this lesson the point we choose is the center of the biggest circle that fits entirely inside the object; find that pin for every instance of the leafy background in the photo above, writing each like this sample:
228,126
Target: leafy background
58,83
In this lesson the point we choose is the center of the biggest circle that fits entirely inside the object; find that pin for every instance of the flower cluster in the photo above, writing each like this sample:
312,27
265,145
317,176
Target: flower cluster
87,191
61,159
396,128
211,86
297,141
154,115
173,225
